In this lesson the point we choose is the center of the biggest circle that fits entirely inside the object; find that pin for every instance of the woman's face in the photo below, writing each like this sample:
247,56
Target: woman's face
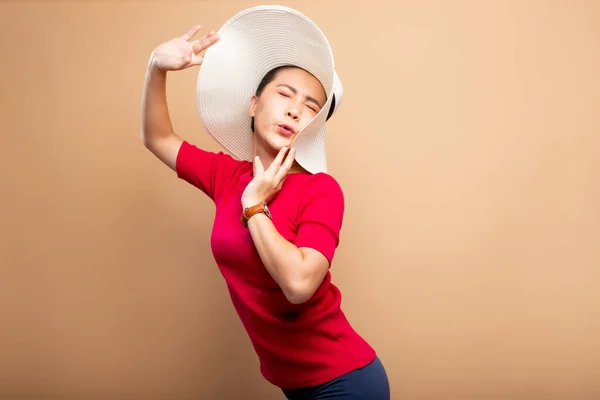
286,105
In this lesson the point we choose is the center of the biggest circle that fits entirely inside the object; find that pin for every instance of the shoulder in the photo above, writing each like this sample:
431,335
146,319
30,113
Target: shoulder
209,171
229,160
323,188
195,155
322,182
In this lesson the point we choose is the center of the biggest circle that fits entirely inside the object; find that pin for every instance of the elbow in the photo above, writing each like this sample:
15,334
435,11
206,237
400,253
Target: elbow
299,292
153,141
148,140
145,139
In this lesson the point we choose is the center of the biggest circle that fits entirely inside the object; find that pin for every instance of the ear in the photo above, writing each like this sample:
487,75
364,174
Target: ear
252,106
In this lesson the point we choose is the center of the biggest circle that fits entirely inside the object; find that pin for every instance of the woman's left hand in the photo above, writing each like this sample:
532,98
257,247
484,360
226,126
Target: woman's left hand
266,184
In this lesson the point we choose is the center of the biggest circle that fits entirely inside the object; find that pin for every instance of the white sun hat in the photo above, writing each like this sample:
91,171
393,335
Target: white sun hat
252,43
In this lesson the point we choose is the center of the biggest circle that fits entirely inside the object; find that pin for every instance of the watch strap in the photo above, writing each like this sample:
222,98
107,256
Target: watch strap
249,212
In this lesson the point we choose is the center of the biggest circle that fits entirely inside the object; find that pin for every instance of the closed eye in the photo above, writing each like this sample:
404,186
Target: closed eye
312,108
310,104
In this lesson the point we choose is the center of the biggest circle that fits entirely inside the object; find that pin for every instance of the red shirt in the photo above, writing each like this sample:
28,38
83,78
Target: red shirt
298,345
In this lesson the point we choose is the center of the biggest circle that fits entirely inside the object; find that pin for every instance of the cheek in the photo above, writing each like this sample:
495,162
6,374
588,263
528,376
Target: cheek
307,116
259,113
265,112
262,118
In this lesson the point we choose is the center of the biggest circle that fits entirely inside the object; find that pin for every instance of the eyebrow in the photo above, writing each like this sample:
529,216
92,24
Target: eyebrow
308,98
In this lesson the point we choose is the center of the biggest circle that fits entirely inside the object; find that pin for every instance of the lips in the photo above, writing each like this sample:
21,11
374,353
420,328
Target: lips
286,129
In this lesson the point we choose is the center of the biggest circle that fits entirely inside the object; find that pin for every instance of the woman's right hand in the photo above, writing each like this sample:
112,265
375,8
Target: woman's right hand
180,53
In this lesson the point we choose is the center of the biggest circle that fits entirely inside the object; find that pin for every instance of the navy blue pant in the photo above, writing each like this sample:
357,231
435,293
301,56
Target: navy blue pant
367,383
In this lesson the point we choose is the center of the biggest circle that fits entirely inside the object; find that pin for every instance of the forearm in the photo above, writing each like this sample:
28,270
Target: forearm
283,260
156,123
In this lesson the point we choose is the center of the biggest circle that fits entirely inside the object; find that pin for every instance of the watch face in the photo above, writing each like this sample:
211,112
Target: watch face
267,211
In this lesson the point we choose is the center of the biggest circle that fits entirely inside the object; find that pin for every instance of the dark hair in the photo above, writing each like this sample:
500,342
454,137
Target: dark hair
268,78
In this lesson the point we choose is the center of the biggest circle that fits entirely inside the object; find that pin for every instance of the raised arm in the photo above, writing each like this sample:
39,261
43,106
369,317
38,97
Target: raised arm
179,53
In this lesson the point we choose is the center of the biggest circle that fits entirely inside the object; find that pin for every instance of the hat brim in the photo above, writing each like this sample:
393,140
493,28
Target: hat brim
252,43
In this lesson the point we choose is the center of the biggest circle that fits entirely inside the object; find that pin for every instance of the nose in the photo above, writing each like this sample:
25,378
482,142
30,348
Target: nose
293,113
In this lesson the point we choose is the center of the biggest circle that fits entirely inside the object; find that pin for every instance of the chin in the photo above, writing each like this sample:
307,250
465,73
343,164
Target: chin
280,142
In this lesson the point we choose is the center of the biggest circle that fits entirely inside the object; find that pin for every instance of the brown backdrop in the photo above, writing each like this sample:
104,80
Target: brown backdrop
468,150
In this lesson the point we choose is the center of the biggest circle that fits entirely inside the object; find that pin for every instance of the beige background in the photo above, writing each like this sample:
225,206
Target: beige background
468,150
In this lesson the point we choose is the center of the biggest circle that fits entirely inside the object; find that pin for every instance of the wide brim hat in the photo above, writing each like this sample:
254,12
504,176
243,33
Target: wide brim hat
251,43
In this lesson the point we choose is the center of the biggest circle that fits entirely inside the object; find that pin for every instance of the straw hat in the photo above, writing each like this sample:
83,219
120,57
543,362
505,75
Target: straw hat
252,43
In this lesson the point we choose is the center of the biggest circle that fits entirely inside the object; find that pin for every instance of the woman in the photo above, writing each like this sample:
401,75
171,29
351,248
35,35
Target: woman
276,227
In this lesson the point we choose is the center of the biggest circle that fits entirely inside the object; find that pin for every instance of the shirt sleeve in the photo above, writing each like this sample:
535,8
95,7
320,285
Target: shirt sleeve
320,215
208,171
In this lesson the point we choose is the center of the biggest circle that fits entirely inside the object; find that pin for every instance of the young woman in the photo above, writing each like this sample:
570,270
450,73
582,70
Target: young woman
275,231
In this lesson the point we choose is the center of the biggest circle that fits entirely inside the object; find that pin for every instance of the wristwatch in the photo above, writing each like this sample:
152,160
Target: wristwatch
256,209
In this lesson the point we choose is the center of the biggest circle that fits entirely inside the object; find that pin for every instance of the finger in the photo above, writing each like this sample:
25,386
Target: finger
278,160
205,42
196,60
259,169
188,35
287,165
186,59
280,185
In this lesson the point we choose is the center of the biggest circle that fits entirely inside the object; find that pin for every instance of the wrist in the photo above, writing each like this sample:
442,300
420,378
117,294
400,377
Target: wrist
246,203
251,211
153,66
